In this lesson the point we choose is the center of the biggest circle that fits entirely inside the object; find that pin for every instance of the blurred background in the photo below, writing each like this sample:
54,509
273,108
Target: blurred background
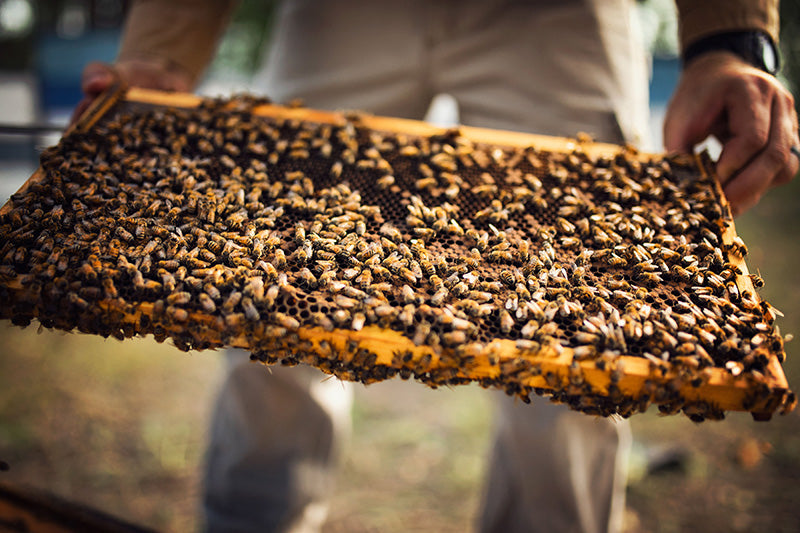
121,426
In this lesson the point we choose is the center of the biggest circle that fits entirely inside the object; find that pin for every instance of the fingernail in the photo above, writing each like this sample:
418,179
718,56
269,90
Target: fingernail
97,77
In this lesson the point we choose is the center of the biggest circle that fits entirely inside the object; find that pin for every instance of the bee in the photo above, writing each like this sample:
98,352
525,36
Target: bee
506,321
570,242
109,288
358,321
384,182
406,316
232,301
425,183
482,243
507,277
286,321
322,320
299,233
454,338
738,247
207,303
650,279
500,256
565,226
364,279
757,280
340,316
123,234
421,333
177,314
426,234
439,296
179,298
235,321
212,291
408,294
336,169
344,302
250,311
488,190
384,311
391,233
279,259
306,278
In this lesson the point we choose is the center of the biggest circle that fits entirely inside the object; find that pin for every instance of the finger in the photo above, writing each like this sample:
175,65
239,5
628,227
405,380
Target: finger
96,78
690,124
749,121
750,183
790,127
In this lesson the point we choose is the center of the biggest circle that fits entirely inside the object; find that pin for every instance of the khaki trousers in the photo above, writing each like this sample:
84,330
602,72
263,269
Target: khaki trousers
549,67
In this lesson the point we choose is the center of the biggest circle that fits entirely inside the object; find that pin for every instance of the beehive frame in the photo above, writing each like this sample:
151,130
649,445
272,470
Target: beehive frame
373,351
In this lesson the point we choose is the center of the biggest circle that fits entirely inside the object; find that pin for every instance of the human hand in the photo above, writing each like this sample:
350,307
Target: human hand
748,111
147,73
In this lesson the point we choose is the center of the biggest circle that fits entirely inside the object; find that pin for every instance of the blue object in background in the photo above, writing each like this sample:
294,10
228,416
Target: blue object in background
60,61
664,76
663,79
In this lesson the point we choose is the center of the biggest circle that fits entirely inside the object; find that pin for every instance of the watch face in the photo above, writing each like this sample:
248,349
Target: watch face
768,55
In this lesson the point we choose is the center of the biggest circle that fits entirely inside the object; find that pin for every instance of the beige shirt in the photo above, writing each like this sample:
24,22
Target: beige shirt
184,33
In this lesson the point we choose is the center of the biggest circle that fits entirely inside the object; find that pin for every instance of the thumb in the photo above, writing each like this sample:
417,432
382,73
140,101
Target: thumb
96,78
675,124
687,123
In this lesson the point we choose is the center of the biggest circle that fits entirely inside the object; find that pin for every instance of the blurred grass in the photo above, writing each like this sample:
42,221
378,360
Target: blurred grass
416,459
121,426
116,425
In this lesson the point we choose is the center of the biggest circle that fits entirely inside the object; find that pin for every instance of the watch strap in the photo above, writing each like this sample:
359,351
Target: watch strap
755,47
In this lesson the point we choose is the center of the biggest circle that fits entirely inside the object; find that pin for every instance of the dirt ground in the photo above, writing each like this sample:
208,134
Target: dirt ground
121,426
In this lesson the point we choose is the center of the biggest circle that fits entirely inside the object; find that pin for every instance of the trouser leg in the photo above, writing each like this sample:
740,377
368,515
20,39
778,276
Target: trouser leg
555,68
276,434
552,469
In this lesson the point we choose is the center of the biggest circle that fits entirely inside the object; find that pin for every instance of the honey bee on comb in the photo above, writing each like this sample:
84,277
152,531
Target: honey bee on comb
602,277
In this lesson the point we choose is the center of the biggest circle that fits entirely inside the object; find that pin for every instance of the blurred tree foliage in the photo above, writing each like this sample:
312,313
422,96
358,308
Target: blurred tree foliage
659,23
244,43
790,46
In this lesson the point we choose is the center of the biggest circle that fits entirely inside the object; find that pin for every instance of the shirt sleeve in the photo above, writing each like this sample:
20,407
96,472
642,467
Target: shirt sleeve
181,33
700,18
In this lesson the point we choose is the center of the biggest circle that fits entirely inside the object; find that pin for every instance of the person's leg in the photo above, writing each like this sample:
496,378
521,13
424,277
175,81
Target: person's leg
276,435
554,68
552,469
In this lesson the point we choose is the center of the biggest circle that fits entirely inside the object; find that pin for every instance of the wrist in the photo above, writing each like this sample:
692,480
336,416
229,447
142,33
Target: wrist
754,47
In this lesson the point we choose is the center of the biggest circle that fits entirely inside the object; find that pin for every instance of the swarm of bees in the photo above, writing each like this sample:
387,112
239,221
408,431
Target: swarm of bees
372,254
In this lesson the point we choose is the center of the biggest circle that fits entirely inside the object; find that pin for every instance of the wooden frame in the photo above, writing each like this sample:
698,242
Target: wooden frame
722,389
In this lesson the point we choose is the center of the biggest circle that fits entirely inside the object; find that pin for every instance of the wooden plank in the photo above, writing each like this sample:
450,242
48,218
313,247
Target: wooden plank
511,139
36,512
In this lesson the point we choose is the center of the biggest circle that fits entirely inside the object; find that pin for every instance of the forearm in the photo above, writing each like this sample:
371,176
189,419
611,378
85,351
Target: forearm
180,34
701,18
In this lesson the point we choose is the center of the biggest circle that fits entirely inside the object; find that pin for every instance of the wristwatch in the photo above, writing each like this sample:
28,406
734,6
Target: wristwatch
755,47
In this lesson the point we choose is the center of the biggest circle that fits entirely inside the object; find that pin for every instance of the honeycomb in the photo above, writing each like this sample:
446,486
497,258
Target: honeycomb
608,282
